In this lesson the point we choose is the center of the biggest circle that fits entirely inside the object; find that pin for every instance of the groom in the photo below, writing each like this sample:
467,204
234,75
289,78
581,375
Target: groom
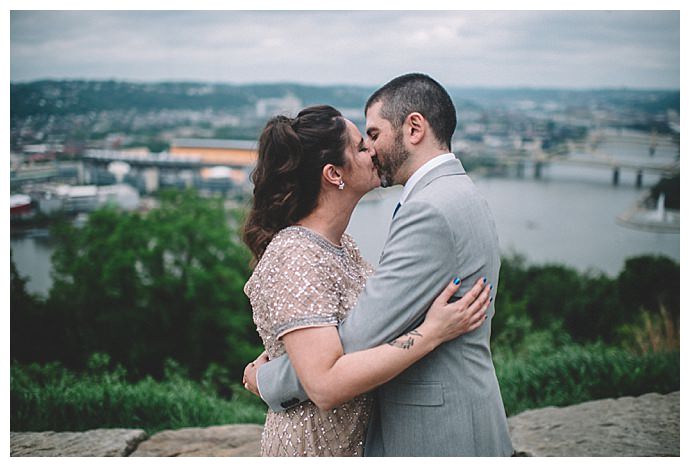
449,403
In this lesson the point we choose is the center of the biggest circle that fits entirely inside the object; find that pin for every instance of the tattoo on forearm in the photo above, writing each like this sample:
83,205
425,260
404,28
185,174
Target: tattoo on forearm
406,340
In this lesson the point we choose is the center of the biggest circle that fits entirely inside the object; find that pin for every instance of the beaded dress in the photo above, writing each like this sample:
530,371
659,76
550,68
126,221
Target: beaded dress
304,280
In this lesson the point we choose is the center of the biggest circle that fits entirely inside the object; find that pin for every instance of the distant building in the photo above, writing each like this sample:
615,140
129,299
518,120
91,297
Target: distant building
230,152
121,196
79,198
86,198
42,148
268,107
222,179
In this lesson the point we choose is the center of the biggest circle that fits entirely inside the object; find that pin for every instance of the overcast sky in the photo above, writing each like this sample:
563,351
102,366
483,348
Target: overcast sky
567,49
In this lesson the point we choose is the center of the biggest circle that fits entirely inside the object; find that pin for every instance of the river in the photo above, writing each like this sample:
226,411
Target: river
566,217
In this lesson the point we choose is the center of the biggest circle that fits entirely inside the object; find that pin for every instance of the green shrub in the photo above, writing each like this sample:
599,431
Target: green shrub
590,307
50,397
575,374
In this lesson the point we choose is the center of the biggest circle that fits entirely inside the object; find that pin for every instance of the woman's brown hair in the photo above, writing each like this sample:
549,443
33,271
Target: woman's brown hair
287,177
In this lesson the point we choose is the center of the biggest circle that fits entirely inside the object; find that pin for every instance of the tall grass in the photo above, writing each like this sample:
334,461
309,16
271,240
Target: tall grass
49,397
575,374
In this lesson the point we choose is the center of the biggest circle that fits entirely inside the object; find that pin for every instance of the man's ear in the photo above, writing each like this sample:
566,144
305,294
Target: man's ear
331,174
416,124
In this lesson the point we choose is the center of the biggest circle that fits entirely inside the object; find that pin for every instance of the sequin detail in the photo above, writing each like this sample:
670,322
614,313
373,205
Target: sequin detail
304,280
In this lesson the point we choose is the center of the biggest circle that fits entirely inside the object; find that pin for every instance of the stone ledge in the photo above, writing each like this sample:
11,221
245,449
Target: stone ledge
99,443
648,425
215,441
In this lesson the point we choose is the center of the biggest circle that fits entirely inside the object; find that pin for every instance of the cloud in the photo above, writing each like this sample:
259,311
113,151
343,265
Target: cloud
495,48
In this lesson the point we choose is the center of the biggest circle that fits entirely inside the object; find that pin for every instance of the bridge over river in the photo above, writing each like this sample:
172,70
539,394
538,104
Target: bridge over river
641,156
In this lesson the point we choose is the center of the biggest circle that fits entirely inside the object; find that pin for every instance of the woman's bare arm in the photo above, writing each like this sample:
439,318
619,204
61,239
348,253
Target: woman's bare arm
331,378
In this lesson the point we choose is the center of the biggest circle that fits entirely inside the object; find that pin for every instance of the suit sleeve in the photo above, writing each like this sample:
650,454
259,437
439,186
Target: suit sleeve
418,261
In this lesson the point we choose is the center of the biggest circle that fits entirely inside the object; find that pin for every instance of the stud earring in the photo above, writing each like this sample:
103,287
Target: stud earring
341,185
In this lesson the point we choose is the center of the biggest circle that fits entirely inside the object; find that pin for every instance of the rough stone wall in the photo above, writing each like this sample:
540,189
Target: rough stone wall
648,425
101,443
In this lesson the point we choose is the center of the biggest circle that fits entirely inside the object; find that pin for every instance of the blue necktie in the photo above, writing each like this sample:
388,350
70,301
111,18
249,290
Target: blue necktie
396,209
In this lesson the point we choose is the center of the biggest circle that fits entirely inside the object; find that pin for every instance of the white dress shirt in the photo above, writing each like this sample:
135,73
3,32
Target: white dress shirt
423,170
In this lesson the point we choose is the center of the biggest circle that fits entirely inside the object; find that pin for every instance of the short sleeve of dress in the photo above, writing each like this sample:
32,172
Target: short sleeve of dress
300,291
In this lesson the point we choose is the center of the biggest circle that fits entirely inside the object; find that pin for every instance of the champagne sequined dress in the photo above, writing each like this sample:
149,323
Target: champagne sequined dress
303,280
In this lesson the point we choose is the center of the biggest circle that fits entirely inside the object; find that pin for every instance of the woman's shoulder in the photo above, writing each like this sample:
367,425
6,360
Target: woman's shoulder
350,244
288,253
348,240
290,246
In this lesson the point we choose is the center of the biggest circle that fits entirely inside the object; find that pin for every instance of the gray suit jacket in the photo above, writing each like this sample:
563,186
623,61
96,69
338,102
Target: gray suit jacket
448,403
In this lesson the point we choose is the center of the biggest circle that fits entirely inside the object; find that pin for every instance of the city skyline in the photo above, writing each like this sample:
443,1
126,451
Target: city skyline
547,49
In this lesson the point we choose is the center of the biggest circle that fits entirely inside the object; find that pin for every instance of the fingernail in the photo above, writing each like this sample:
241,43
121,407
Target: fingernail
491,299
491,287
485,280
456,281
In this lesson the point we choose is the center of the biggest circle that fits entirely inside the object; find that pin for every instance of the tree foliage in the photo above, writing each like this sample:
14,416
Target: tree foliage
562,305
144,287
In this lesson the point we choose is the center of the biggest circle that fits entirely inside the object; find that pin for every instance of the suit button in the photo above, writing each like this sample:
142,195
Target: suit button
290,403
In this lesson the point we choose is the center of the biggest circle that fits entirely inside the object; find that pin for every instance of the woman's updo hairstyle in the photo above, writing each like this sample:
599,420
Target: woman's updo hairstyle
287,177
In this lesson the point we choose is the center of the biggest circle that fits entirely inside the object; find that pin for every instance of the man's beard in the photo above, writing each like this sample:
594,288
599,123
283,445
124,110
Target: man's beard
392,162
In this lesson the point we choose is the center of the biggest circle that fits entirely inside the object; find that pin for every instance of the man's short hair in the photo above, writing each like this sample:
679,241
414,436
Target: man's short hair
417,92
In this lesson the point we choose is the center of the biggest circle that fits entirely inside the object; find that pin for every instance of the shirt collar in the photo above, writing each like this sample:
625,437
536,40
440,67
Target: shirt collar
423,170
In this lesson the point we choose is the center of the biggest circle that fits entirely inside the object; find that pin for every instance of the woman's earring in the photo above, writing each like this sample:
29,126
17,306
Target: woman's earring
341,185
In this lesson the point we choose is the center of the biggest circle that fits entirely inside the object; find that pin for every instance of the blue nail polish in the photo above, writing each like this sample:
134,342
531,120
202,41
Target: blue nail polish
485,280
491,287
456,281
491,299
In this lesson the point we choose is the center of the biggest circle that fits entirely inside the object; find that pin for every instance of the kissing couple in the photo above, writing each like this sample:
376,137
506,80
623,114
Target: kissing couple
386,361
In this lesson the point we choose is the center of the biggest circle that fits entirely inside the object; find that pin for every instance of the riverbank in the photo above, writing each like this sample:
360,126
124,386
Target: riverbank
648,425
